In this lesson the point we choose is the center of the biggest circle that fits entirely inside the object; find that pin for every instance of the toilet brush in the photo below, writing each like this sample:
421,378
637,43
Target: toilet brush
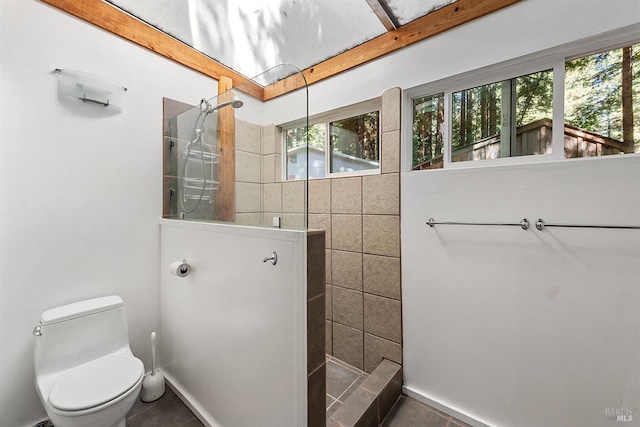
153,383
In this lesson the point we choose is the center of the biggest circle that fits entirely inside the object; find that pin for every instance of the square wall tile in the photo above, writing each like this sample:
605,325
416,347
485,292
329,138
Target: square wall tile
329,302
348,345
248,197
390,395
381,194
316,281
315,334
346,269
248,136
248,166
382,317
321,222
320,196
346,232
346,195
294,221
347,307
272,197
268,139
381,275
390,152
390,114
252,219
268,168
277,176
293,197
381,235
328,260
328,347
271,140
376,349
316,398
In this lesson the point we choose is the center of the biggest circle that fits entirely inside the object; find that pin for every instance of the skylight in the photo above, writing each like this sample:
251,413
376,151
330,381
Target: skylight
252,36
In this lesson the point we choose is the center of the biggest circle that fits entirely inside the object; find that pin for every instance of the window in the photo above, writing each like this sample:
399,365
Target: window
344,142
504,119
296,143
428,119
602,103
354,143
513,117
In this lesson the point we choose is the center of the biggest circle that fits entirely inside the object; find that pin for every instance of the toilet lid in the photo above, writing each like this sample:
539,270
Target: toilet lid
96,382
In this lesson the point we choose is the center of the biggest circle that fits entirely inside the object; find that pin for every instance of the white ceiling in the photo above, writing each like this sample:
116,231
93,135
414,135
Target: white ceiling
252,36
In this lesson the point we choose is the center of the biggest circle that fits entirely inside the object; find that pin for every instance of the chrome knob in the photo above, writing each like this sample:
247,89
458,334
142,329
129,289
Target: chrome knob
37,331
273,258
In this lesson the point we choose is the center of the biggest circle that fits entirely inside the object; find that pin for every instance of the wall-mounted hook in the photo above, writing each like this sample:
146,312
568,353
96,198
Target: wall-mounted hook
273,258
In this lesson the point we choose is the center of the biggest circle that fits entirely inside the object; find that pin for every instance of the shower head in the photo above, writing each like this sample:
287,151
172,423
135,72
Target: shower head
235,103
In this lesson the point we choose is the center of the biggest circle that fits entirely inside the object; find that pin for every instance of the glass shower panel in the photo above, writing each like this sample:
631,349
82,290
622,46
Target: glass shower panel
193,165
226,164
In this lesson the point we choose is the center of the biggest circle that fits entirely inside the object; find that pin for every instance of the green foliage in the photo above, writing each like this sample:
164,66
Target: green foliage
428,118
593,93
477,111
356,136
314,134
593,102
534,97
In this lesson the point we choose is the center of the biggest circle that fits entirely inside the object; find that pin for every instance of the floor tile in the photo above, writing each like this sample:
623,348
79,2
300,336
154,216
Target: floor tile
409,412
330,401
140,406
171,412
339,379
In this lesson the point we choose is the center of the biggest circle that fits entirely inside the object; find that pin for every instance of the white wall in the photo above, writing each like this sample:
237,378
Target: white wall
80,190
234,330
524,328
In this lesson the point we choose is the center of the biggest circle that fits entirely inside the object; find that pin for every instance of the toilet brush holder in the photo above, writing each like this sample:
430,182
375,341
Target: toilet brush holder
153,383
153,386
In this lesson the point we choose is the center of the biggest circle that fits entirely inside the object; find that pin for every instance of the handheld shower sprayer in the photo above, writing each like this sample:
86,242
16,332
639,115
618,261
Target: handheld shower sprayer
206,107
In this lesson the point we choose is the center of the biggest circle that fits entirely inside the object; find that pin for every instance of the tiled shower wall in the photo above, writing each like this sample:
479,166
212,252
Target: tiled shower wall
260,193
362,218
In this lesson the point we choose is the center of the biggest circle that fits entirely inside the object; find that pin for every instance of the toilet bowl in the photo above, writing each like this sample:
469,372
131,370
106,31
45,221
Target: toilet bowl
85,373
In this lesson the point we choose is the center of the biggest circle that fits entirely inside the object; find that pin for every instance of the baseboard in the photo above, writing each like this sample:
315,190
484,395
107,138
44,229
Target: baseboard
462,416
204,417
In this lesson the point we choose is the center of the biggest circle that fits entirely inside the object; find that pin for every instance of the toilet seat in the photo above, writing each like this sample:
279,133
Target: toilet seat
96,383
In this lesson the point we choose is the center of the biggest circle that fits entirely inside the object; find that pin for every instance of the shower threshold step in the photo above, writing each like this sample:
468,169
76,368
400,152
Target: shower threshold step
372,401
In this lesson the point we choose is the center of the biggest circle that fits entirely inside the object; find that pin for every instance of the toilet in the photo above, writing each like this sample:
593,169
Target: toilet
85,373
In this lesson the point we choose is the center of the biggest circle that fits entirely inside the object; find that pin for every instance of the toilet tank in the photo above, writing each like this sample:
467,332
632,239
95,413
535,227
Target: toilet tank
80,332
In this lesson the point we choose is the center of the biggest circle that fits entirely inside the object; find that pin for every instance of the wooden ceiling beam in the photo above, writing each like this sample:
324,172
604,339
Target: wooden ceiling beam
114,20
439,21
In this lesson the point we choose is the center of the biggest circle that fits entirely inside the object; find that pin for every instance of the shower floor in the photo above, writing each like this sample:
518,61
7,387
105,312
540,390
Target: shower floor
342,380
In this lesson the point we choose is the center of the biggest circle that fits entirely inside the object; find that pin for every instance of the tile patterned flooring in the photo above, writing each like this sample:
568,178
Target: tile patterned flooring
168,411
342,380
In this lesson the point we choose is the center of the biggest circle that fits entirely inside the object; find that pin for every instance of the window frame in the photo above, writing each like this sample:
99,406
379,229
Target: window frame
326,118
553,59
